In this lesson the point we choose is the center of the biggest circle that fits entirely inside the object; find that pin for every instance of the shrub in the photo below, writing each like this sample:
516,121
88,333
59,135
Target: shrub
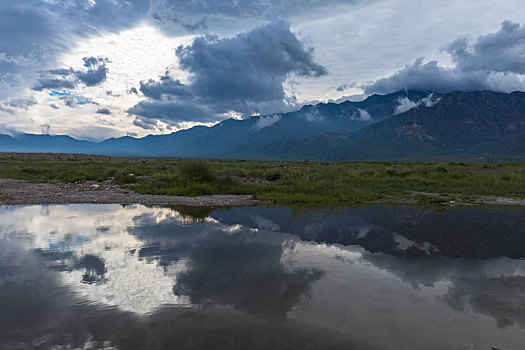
197,172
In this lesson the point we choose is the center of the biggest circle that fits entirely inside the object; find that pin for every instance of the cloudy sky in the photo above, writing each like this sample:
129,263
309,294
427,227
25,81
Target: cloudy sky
95,69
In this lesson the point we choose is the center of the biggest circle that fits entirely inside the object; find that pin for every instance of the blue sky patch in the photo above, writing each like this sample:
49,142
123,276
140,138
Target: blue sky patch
60,93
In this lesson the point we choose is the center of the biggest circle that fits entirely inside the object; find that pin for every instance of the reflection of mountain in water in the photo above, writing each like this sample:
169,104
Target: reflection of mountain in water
400,231
492,287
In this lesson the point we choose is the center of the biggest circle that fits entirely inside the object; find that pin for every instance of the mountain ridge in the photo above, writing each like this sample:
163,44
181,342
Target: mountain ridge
405,125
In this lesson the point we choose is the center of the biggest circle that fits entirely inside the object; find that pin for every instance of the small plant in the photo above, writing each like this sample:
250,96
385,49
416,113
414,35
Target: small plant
391,172
440,169
506,177
273,176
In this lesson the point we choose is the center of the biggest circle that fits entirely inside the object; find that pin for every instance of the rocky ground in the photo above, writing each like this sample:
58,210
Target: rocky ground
476,200
22,192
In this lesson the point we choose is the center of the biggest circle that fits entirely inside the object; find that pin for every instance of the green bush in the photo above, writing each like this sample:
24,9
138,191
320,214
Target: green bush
196,172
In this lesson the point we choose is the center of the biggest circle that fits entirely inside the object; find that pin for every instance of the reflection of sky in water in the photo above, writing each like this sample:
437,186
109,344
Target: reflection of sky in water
131,283
380,277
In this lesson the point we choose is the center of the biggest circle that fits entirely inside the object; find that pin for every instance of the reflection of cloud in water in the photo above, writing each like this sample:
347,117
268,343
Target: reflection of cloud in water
229,264
491,287
502,298
133,256
91,247
245,270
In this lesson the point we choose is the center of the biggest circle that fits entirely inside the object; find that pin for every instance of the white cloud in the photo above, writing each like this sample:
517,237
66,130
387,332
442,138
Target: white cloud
364,115
405,104
264,122
430,101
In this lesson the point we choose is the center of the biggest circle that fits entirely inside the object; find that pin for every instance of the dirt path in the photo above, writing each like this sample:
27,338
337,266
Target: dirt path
22,192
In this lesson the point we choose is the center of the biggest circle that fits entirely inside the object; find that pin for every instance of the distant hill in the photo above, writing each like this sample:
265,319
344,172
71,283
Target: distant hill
406,125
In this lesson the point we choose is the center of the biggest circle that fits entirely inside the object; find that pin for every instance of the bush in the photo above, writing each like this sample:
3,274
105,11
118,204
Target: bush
197,172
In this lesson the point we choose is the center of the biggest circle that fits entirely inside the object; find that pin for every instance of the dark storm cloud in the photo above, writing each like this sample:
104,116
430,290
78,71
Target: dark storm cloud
492,62
244,73
57,79
167,86
195,15
172,110
96,71
503,51
251,66
40,30
103,111
252,8
54,84
344,87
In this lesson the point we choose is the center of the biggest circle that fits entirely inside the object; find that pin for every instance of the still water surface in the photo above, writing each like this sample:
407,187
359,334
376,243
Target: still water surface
380,277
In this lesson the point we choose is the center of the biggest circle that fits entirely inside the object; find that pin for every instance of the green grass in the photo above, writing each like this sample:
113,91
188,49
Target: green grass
356,182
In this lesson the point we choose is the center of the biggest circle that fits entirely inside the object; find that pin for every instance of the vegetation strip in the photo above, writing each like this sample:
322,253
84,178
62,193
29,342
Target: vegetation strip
287,182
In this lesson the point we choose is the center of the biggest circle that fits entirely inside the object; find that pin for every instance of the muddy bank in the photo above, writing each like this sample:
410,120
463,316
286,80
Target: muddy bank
21,192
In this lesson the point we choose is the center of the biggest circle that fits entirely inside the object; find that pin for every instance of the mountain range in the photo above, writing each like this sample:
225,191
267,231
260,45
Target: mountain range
405,125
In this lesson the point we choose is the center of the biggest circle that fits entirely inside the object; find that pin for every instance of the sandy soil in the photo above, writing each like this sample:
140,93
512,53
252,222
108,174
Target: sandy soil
22,192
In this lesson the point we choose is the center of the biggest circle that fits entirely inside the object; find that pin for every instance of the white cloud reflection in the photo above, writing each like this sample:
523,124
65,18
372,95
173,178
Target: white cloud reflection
130,283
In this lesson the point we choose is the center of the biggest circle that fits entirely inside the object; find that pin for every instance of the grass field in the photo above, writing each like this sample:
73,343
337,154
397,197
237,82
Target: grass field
355,182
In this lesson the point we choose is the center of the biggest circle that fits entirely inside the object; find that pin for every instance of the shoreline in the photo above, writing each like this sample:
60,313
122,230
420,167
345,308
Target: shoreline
20,192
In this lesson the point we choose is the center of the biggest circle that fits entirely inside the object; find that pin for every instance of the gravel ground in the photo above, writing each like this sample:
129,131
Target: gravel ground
21,192
16,155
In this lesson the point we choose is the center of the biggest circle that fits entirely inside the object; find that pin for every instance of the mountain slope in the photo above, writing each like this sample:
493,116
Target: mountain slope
461,125
406,125
476,123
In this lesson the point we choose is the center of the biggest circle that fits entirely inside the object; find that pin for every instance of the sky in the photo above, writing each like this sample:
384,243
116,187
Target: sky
95,69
